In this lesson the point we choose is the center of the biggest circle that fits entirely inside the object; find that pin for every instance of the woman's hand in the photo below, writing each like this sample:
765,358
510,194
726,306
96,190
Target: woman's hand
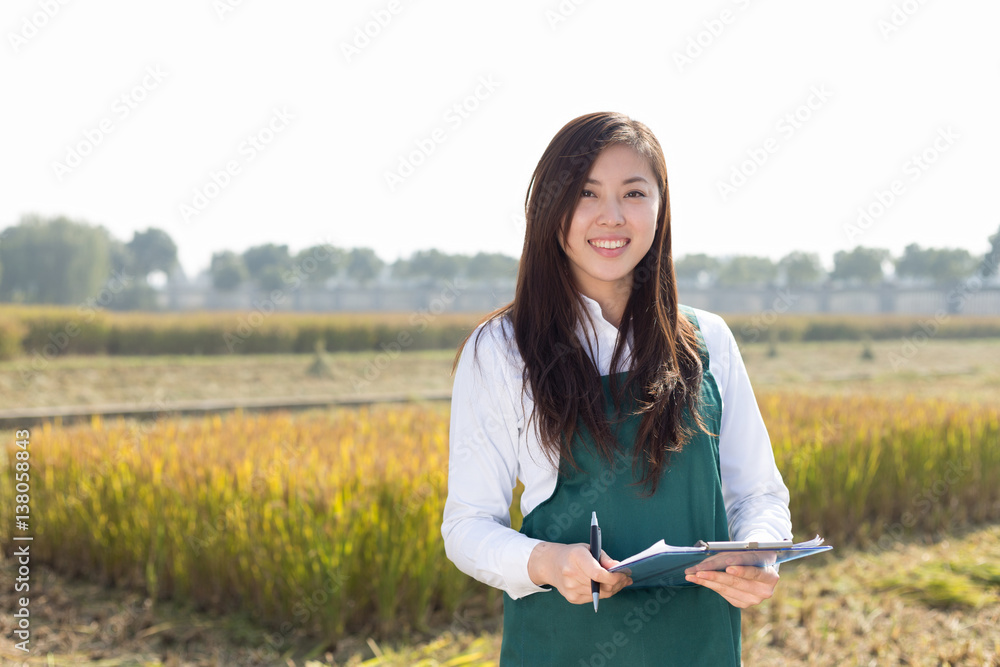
570,568
742,585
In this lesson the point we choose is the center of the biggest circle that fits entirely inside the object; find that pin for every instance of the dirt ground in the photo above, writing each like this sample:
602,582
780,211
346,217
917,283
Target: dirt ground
835,613
76,622
908,604
960,370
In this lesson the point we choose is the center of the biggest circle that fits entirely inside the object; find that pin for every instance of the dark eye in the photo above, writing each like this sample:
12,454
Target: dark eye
586,193
637,192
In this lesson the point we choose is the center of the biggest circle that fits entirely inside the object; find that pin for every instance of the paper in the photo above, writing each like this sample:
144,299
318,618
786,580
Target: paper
666,565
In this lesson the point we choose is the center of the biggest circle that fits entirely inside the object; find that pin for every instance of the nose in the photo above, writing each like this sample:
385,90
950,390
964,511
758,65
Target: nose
612,214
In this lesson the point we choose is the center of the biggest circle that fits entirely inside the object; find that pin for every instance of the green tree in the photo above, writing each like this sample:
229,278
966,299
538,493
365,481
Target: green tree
54,261
316,264
228,270
492,266
801,268
943,266
120,257
748,270
992,258
363,265
267,263
861,265
432,264
149,251
693,267
152,250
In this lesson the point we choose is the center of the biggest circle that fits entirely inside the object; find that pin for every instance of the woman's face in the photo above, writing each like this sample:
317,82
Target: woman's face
613,224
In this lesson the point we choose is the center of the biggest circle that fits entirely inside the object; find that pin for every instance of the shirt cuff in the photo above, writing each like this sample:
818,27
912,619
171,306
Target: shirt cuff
764,536
515,568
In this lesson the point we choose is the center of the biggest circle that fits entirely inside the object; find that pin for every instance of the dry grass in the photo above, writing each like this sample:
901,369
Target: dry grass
914,604
835,610
959,370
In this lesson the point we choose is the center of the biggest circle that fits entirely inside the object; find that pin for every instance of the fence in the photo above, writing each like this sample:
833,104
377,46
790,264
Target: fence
968,299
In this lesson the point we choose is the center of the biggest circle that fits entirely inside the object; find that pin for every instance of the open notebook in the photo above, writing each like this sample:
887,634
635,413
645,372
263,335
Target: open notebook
666,565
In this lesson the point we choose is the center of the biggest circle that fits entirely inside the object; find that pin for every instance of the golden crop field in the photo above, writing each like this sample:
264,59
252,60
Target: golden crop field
329,522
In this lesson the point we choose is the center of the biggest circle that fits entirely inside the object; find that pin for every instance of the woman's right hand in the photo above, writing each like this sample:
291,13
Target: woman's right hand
570,569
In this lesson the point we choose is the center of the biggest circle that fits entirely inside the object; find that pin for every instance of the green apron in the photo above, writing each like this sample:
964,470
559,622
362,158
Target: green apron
682,625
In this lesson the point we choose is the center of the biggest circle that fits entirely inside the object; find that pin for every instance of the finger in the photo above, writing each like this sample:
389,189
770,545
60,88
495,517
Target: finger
746,578
745,572
743,584
627,582
600,575
758,582
607,561
735,596
609,590
734,588
762,574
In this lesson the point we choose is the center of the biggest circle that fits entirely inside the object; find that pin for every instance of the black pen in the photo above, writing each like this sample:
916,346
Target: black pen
595,551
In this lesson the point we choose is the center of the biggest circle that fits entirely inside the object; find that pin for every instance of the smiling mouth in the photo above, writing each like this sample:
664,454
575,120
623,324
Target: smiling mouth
610,245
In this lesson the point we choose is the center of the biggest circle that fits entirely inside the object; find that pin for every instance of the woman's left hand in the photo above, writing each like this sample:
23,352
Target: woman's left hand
742,585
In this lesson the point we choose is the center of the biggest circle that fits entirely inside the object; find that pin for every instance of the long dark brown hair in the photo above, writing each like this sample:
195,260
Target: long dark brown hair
565,384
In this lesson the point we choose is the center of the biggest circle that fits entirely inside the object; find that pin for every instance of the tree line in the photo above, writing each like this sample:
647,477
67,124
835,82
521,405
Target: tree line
865,267
61,261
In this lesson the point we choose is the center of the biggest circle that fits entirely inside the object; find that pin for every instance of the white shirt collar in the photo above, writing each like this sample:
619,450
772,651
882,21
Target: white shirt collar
604,334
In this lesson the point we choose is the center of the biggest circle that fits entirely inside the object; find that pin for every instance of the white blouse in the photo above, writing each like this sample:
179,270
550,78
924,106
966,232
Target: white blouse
490,449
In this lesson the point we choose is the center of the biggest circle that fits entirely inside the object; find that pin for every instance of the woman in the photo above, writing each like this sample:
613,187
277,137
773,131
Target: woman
600,392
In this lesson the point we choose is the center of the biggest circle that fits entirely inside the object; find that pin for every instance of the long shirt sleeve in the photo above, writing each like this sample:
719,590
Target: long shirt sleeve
490,449
482,472
755,495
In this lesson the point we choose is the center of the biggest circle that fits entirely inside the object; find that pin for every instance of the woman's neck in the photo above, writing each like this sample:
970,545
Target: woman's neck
612,307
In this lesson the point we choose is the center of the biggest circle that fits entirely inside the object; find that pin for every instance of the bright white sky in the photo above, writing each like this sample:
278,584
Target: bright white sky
321,178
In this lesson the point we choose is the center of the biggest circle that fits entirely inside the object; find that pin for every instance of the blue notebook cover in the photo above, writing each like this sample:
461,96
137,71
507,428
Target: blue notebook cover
665,565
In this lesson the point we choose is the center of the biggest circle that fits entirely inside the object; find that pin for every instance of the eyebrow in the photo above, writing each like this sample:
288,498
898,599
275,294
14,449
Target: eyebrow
633,179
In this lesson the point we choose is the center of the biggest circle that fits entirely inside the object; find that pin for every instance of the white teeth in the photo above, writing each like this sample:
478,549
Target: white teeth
609,244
